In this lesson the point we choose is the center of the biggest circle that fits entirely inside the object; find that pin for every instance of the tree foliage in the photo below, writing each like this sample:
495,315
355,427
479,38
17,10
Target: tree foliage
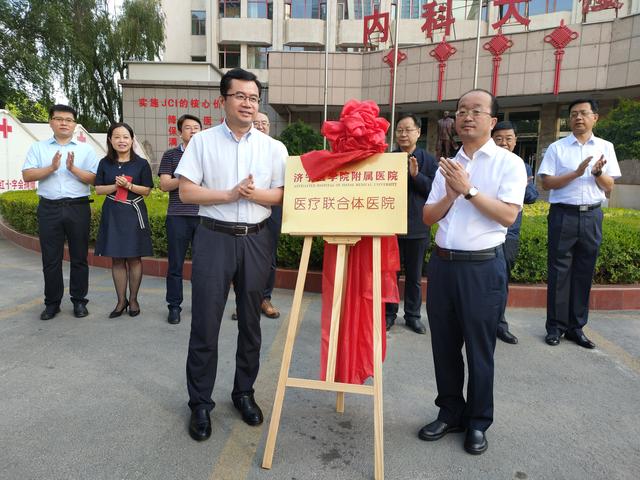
81,45
621,127
300,138
26,109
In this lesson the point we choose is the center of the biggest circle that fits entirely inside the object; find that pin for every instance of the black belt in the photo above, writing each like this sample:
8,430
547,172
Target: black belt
467,255
577,208
235,229
67,201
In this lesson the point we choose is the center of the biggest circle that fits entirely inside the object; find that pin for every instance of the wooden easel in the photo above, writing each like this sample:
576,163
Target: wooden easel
284,381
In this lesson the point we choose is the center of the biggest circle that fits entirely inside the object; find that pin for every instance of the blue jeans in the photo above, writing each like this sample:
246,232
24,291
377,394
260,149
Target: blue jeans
180,232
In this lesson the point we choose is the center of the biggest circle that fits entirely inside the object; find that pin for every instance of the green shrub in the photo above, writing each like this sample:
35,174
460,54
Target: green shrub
618,262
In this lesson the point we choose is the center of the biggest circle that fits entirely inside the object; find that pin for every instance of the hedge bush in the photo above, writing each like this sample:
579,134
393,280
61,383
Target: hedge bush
618,262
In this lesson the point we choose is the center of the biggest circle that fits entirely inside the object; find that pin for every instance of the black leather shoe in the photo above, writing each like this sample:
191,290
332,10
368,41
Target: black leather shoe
174,315
581,339
389,323
234,315
80,310
247,406
49,312
552,339
200,425
475,442
507,337
436,430
417,326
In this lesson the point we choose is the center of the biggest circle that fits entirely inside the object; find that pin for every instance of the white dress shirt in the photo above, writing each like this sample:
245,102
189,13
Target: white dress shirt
215,159
61,183
565,155
495,172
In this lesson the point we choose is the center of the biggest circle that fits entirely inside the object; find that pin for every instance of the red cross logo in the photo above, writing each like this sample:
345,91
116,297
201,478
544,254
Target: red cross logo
5,128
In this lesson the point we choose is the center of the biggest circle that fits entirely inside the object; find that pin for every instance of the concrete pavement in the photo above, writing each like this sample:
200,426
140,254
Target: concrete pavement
96,398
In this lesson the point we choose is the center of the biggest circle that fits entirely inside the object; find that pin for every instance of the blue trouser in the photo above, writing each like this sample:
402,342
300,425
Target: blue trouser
180,233
574,241
464,300
412,252
274,224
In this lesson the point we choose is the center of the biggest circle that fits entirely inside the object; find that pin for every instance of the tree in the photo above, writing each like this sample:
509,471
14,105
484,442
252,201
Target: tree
79,44
621,127
26,109
300,138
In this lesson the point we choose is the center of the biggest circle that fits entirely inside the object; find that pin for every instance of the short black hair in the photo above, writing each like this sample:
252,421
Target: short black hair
238,74
112,155
505,125
412,116
590,101
494,100
62,108
188,116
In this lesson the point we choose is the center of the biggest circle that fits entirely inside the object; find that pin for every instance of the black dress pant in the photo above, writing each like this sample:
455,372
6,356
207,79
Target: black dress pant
412,252
511,246
220,259
274,224
464,299
58,220
180,232
574,241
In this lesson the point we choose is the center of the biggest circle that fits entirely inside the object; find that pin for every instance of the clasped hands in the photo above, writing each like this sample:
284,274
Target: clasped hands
596,170
121,181
245,189
456,178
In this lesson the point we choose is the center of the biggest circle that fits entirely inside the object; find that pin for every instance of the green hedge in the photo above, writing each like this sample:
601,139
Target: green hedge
618,262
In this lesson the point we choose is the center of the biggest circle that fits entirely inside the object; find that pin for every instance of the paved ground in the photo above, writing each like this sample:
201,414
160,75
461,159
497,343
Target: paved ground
106,399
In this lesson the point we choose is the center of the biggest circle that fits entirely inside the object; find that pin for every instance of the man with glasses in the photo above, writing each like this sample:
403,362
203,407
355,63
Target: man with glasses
505,136
182,218
235,174
474,198
422,168
63,209
578,170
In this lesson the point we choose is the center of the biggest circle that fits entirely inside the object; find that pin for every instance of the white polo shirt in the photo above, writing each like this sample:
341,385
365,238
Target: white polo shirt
565,155
495,172
214,159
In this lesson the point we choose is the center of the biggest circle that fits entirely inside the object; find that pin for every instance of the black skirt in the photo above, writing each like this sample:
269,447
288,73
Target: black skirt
124,230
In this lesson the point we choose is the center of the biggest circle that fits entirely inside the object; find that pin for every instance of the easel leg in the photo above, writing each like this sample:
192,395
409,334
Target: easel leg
340,395
294,320
377,362
336,310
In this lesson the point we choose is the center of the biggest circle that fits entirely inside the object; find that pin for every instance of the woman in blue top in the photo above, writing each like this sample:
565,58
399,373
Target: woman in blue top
125,178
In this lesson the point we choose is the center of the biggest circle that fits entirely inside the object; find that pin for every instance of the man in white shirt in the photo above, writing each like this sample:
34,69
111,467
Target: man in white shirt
578,170
474,198
235,173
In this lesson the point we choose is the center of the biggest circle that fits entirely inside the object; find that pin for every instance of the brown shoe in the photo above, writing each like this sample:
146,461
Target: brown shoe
268,309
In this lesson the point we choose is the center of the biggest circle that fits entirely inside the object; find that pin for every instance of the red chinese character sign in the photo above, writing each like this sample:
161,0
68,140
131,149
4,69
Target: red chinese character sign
438,16
376,23
560,38
497,46
442,52
512,11
388,59
599,5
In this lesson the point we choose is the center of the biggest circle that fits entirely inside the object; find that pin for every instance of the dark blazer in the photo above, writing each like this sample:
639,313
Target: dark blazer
418,191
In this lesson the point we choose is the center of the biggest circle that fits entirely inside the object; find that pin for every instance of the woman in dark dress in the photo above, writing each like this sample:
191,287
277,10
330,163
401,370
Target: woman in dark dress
125,234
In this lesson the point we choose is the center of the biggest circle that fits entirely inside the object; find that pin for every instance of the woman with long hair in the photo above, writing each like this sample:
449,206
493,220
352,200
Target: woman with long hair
125,234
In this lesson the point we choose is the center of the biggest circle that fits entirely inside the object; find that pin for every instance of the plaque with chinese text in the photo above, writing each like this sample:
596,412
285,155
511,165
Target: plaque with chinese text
364,198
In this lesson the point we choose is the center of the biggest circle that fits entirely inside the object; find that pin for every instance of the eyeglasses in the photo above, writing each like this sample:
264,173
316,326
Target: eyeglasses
261,123
473,113
580,113
407,131
241,97
64,119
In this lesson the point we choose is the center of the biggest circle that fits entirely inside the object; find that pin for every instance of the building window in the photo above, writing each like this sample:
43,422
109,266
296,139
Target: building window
257,57
229,56
468,9
198,58
229,8
362,8
539,7
260,9
198,22
412,8
308,48
305,9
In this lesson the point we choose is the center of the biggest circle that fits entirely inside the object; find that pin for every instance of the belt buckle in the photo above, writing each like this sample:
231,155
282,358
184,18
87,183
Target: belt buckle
583,208
451,255
241,230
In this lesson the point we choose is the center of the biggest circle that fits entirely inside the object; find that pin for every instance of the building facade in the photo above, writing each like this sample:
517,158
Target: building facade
283,42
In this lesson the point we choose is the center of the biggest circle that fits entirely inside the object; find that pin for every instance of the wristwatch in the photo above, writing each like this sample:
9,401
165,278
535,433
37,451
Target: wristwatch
473,191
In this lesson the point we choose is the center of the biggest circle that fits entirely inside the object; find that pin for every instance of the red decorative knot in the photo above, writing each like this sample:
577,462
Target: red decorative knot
443,51
498,44
388,58
561,36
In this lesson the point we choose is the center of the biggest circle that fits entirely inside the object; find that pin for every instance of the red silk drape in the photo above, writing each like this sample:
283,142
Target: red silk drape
358,134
